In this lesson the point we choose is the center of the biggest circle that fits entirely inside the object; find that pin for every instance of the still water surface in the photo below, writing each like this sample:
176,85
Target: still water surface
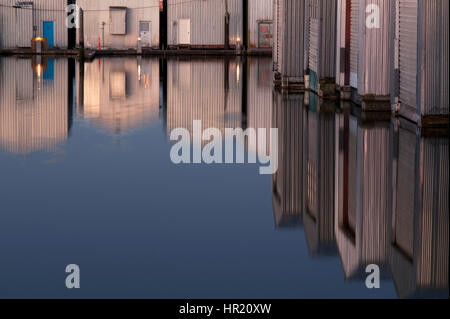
86,179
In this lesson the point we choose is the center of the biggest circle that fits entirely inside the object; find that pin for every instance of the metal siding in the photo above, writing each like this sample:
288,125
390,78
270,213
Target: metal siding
407,24
322,38
258,10
97,12
354,37
374,51
435,54
15,31
207,21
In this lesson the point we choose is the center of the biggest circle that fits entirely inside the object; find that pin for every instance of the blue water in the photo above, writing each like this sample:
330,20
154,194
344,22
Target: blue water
140,226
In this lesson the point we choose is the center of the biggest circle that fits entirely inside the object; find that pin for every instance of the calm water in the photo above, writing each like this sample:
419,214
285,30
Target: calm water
86,178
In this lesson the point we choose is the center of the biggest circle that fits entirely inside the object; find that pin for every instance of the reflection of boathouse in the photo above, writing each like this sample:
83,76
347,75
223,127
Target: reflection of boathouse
418,253
288,182
34,104
362,192
319,141
120,94
210,91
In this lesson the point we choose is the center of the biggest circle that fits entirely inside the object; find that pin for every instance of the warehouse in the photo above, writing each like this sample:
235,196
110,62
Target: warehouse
120,24
21,21
421,83
201,24
364,52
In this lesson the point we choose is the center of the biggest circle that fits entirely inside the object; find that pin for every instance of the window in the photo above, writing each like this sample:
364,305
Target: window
118,20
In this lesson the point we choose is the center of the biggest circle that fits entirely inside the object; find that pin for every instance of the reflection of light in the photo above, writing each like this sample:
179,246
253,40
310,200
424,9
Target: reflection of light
139,72
39,70
238,73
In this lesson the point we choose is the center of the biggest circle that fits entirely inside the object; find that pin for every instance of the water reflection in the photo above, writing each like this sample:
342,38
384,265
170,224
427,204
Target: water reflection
120,94
364,189
35,103
418,223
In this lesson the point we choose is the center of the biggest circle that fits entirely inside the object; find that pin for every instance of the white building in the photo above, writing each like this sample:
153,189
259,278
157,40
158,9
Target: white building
119,24
20,21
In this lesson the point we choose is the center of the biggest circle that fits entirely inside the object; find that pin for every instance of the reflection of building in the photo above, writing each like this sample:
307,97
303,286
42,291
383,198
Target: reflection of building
20,21
288,182
319,141
259,109
419,223
210,91
34,104
119,23
362,192
120,94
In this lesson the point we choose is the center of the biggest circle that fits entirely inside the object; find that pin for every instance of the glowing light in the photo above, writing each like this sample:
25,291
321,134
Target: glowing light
39,70
238,39
39,39
238,73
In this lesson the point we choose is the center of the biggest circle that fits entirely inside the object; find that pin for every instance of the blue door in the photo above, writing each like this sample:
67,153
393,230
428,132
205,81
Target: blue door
49,32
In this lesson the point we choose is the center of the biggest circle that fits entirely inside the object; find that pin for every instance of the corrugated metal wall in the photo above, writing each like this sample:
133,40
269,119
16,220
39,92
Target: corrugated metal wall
258,10
207,20
121,94
434,56
289,44
33,105
276,41
423,54
15,23
354,40
97,12
374,65
322,37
